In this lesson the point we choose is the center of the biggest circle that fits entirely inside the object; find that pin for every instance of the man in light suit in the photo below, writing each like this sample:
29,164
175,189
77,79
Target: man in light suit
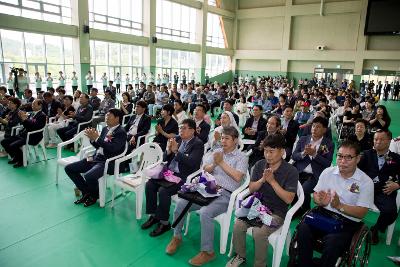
110,143
138,125
184,154
382,166
312,155
35,121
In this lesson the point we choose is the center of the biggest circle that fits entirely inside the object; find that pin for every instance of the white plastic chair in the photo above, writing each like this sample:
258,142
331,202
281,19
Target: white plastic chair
103,180
81,125
151,155
25,148
224,219
281,236
85,145
390,229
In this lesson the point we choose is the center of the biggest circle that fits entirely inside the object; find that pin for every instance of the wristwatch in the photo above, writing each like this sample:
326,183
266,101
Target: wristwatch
341,209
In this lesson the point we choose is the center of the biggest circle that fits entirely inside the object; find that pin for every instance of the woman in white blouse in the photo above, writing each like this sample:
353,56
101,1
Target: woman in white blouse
179,114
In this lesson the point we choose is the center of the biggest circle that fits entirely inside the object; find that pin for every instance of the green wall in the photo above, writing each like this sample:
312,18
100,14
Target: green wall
223,77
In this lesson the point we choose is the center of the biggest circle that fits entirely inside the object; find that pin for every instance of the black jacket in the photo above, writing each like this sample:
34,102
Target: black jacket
33,123
142,129
260,127
190,160
369,165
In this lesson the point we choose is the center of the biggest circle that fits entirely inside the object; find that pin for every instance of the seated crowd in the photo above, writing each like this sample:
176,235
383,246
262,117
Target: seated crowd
280,134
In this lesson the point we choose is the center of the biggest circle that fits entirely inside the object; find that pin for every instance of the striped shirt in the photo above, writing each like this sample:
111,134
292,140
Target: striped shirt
236,159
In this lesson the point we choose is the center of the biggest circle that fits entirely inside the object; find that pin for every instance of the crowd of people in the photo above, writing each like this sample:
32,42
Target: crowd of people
280,132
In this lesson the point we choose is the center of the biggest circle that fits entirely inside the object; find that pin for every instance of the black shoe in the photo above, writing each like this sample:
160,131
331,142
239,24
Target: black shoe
82,199
18,164
89,202
161,228
12,161
149,223
374,236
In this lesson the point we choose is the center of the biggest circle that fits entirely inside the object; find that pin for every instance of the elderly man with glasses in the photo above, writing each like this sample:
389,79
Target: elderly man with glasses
184,154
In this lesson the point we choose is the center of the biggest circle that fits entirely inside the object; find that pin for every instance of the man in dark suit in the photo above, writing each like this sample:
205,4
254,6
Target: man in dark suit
94,99
290,127
202,127
312,155
254,124
378,89
273,126
83,114
26,102
184,155
50,105
138,125
110,143
35,121
382,166
386,90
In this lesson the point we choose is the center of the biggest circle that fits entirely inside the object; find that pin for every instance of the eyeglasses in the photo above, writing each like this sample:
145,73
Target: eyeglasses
345,157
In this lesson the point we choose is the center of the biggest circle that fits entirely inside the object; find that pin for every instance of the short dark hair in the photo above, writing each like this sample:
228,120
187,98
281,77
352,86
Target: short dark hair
61,91
230,102
51,89
202,107
94,89
117,113
275,141
85,95
29,91
362,121
351,144
190,122
387,132
3,88
324,122
178,101
169,108
231,131
287,106
258,106
142,103
15,101
47,94
69,97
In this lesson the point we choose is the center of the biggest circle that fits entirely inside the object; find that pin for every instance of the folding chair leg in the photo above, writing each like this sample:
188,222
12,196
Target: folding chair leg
25,155
57,173
43,150
102,192
231,248
139,204
187,223
113,196
389,233
224,238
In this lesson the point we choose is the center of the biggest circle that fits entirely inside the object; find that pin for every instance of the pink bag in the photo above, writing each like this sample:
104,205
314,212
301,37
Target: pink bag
154,173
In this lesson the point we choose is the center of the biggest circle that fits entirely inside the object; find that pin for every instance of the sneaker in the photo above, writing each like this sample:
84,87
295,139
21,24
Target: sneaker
173,245
202,258
235,261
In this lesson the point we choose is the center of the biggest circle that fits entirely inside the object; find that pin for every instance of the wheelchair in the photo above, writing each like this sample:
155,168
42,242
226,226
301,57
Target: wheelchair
357,254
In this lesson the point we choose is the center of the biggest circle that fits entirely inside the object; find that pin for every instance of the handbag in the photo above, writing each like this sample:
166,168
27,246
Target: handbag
196,198
324,221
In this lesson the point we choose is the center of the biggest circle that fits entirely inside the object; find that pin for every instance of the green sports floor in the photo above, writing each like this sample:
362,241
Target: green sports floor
40,225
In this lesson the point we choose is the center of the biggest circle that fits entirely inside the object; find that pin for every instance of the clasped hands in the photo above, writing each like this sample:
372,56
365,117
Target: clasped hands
92,133
172,145
310,150
323,198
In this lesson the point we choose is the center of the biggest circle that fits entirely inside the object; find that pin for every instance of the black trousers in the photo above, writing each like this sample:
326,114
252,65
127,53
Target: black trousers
155,191
388,210
334,244
92,171
12,145
67,133
89,87
308,182
118,88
